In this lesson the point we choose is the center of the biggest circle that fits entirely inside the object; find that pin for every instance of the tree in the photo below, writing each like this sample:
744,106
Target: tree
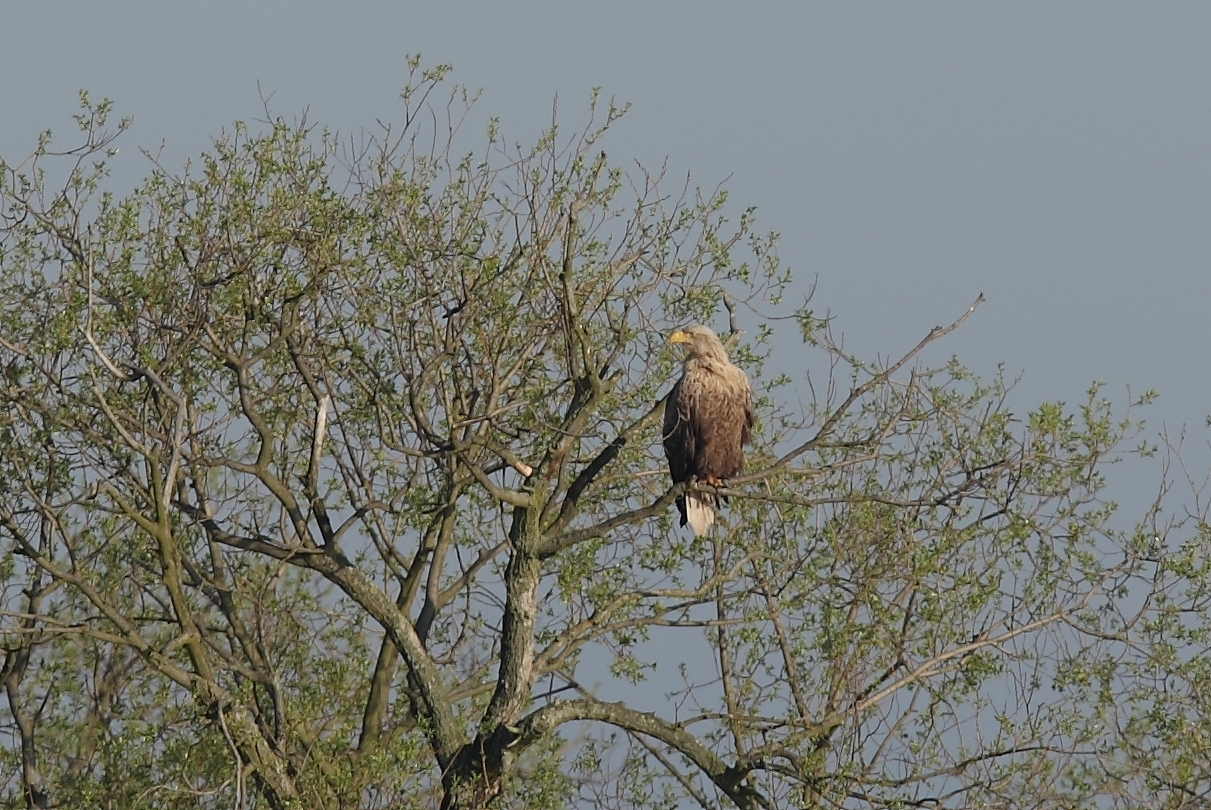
331,478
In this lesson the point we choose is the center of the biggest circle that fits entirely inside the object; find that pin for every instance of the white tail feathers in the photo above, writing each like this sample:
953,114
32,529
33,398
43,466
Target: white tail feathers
699,513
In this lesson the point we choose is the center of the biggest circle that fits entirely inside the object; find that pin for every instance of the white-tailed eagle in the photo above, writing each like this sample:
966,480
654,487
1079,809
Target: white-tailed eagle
708,418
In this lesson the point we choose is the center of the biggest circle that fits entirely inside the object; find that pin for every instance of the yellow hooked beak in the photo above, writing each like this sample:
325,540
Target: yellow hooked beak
680,336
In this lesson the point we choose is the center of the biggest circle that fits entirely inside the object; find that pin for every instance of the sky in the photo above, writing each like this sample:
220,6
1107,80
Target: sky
1056,157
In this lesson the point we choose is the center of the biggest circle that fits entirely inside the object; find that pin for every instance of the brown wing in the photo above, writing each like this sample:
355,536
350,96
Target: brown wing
680,437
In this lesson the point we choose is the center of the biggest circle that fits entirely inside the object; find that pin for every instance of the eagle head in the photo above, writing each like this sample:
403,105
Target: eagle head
702,342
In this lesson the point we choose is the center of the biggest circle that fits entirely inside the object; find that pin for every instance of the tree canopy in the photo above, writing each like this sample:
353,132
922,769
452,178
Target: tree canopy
330,476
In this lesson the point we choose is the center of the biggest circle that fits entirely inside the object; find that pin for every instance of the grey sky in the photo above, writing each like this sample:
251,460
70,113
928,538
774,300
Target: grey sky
1055,157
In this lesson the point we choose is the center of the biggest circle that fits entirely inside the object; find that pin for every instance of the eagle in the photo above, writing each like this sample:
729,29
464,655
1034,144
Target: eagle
708,418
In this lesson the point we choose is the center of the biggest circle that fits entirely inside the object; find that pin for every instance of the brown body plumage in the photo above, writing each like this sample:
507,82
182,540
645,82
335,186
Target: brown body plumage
708,418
